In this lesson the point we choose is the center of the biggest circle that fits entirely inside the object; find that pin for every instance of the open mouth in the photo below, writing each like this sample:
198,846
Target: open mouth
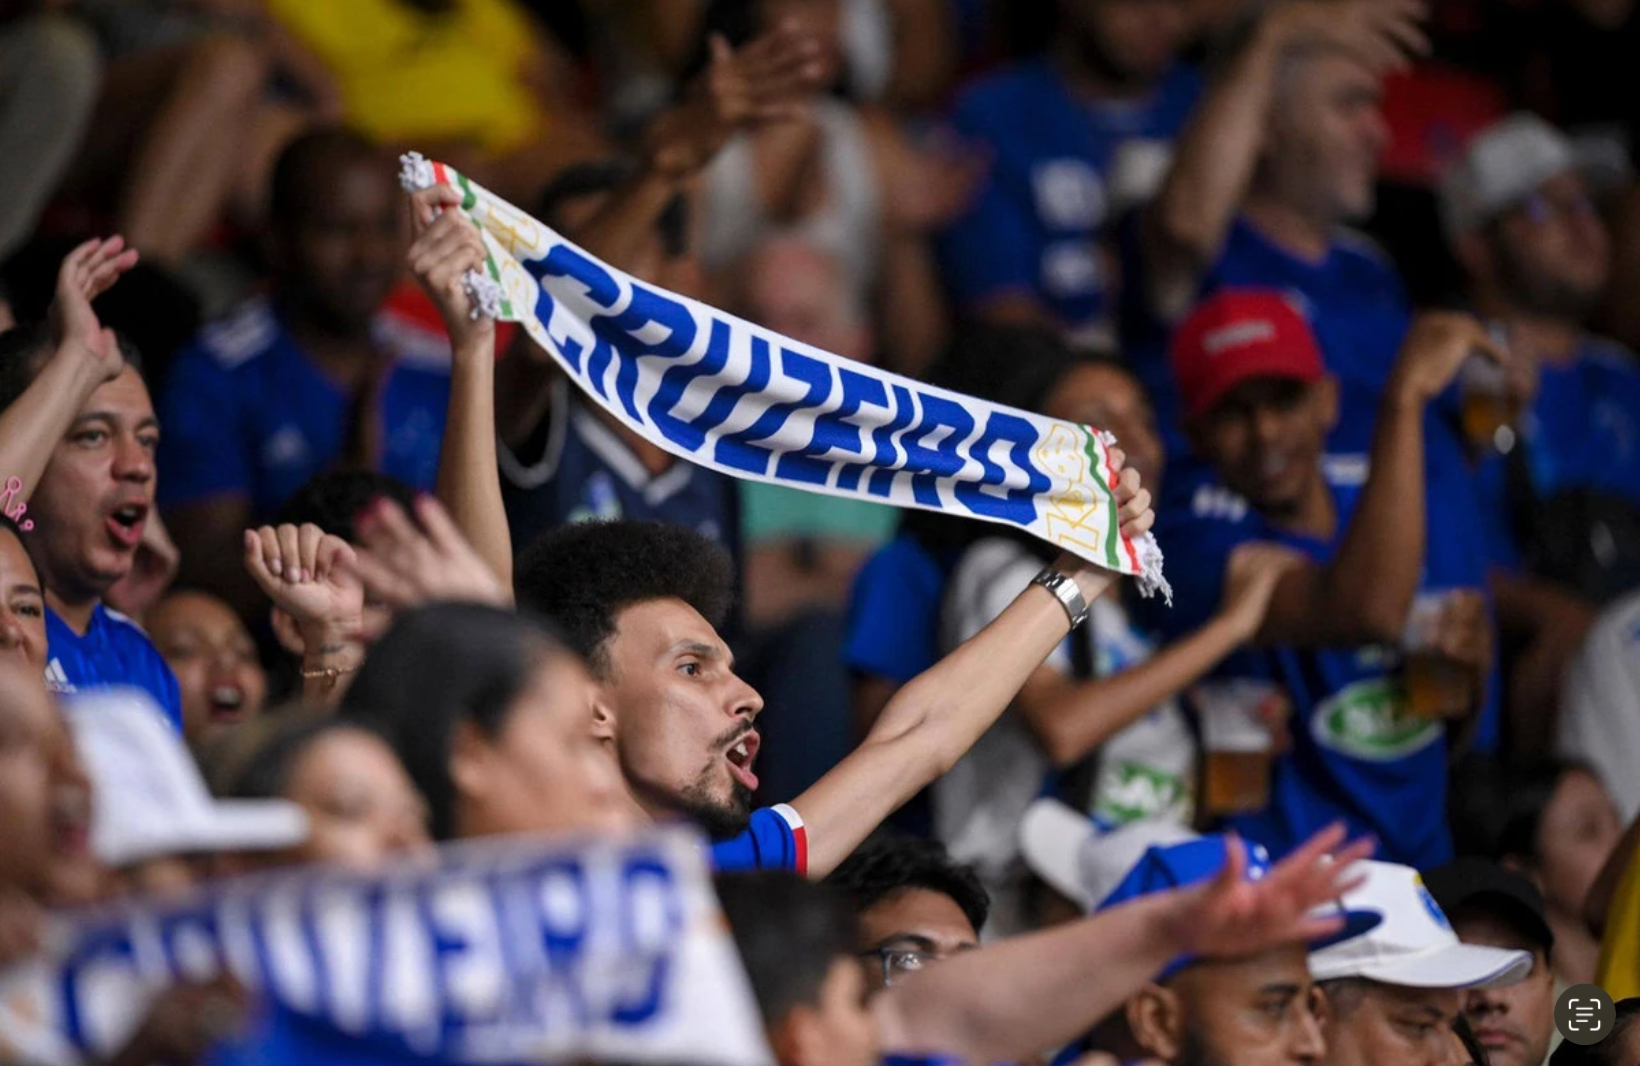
125,523
226,703
741,755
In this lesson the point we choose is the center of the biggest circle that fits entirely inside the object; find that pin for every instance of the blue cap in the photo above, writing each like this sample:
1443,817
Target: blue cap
1169,866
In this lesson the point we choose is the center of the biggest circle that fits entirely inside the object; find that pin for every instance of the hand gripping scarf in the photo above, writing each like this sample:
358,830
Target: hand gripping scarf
729,395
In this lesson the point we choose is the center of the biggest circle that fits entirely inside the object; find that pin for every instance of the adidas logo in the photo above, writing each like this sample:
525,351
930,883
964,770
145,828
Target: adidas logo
56,679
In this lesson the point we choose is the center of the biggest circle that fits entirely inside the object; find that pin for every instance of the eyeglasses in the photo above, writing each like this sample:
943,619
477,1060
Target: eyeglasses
898,962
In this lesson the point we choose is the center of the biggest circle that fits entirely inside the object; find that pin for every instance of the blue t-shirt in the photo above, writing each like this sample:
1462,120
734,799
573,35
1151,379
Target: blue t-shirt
775,840
1358,754
1057,163
247,413
114,651
579,469
1582,432
894,612
1353,299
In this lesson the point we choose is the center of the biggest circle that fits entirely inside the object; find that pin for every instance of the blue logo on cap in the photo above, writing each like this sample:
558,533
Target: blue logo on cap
1431,906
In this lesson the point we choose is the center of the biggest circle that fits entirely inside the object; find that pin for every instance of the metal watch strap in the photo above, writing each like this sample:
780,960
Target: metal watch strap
1065,591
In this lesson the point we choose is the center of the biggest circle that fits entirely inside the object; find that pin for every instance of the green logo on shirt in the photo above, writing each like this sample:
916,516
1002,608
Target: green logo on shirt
1371,720
1129,791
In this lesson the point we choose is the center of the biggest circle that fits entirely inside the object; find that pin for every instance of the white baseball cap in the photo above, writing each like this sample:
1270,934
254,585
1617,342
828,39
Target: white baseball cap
1415,946
1507,162
149,799
1068,850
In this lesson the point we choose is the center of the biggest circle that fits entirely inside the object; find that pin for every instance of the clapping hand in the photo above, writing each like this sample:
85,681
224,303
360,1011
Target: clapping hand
308,574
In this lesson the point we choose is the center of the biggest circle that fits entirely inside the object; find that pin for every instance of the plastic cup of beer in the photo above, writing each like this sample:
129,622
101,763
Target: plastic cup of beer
1488,412
1238,744
1436,686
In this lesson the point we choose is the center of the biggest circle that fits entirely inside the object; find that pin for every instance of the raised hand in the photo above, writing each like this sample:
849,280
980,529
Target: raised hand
404,566
1250,580
309,574
446,246
1231,916
87,272
768,80
1435,348
1386,35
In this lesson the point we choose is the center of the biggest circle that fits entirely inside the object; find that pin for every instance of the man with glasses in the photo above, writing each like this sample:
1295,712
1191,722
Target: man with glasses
913,904
1518,214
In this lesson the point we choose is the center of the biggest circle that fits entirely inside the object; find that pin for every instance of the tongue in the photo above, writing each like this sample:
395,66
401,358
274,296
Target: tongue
743,774
128,536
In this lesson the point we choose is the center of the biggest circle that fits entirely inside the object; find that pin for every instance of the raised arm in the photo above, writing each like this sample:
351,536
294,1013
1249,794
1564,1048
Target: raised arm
1362,596
763,82
1071,718
447,245
938,715
84,357
1184,228
1009,1000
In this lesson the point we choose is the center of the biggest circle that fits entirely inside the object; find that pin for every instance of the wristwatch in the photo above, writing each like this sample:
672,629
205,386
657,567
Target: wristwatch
1065,591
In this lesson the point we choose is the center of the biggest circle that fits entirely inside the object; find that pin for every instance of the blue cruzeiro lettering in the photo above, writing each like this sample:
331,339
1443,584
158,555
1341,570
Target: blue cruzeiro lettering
924,435
507,950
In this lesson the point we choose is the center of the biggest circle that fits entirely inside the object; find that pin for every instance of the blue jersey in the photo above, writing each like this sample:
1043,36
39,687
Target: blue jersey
1059,171
775,840
579,468
1358,754
1582,432
894,612
1353,299
247,413
113,651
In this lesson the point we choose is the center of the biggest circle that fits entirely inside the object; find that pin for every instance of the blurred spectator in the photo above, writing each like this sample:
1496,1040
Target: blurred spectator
313,378
362,809
1280,155
198,98
1394,994
78,434
1101,721
473,83
1259,405
913,905
851,182
155,826
1599,719
214,659
1555,823
494,719
1564,496
49,75
1492,906
1077,136
45,798
22,600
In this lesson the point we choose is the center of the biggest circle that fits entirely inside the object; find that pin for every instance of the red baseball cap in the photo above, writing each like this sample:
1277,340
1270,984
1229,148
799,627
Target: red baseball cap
1237,334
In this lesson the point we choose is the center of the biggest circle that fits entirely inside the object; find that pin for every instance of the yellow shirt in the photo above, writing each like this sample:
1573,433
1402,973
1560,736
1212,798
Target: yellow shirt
407,75
1619,972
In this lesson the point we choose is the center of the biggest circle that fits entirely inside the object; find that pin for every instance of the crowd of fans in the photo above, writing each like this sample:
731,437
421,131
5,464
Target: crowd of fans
304,561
